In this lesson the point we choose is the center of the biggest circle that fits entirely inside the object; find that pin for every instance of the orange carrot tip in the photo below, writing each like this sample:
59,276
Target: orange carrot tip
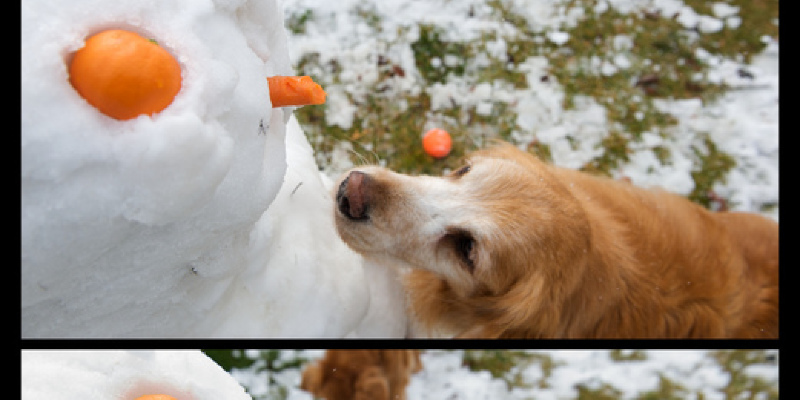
294,91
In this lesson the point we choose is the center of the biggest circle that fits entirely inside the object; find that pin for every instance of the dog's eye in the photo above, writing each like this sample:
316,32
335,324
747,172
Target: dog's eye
464,245
461,171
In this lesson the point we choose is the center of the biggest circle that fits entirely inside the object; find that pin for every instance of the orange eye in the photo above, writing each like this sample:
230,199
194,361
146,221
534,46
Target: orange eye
125,75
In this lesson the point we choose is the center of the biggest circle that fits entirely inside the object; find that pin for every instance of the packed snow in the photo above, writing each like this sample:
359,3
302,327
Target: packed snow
211,219
189,223
124,375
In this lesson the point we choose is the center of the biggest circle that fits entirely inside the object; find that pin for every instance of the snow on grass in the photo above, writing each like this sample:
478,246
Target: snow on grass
679,94
551,374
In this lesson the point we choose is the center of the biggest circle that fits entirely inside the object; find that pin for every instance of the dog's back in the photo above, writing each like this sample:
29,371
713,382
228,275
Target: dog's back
717,271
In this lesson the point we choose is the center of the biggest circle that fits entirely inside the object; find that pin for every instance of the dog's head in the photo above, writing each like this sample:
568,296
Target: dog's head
500,218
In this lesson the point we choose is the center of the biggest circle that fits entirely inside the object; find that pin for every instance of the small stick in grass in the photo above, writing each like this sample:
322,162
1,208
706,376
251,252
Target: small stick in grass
294,91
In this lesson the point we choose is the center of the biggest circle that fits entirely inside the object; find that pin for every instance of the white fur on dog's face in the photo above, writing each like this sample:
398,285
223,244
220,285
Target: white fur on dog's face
414,218
475,227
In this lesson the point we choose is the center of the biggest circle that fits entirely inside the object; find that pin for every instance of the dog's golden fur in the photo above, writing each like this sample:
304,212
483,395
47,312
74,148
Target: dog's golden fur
361,374
513,247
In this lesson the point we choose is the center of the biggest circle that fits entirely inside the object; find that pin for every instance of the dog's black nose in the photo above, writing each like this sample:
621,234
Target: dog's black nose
352,197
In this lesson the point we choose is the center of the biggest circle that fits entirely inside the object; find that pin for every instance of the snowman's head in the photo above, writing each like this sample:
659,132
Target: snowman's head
119,215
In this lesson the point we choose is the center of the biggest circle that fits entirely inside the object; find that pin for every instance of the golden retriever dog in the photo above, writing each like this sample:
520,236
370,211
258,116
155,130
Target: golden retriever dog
361,374
510,247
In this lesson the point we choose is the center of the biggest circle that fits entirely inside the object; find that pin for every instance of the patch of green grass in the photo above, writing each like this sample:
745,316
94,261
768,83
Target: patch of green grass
604,392
711,167
667,390
741,384
508,365
627,355
616,152
742,43
496,362
296,23
432,55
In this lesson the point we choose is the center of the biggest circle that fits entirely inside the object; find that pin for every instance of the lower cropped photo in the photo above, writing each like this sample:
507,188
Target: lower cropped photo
235,374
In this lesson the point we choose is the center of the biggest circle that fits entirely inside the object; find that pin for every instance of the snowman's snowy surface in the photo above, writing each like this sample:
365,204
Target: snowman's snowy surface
158,227
125,375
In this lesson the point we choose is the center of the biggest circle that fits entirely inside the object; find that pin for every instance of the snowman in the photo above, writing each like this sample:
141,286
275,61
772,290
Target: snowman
207,218
140,375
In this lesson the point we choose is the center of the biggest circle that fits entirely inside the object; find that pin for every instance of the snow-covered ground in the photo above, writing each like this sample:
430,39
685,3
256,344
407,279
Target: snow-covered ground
211,219
444,377
743,123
